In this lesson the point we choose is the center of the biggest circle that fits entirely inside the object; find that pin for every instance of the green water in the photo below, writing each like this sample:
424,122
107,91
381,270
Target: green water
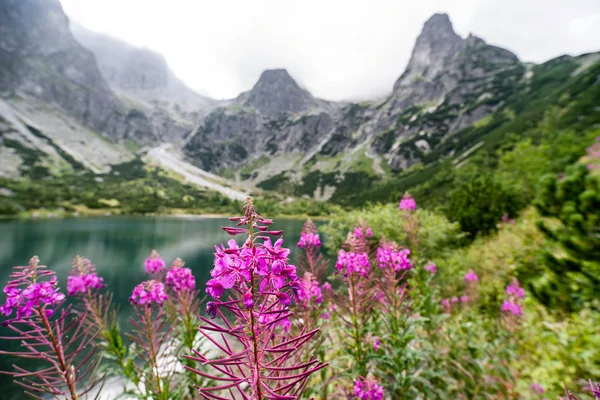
118,247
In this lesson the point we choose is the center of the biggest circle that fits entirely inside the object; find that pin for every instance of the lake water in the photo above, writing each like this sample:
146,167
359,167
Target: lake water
118,247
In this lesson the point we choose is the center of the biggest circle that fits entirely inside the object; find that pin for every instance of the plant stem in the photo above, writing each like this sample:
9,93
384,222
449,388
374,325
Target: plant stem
152,348
59,353
253,320
356,327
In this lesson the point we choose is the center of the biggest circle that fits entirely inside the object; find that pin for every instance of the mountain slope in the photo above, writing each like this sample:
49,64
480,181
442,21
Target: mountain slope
144,82
40,59
279,134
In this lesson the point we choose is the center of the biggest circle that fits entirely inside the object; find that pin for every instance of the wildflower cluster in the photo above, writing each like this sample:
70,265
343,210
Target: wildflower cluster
514,293
154,264
309,238
407,203
389,255
431,267
83,277
309,291
27,293
471,277
349,262
263,361
149,292
180,278
61,344
237,266
368,389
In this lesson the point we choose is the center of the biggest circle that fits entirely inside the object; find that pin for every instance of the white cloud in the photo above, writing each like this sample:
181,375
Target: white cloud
337,49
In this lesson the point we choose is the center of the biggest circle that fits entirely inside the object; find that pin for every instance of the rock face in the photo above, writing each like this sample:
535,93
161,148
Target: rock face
277,93
449,83
40,59
276,117
140,73
143,81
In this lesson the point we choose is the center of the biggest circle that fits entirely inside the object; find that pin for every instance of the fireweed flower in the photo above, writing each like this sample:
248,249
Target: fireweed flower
309,291
179,278
329,313
27,295
258,359
368,389
149,292
353,263
471,277
309,240
61,344
512,307
83,277
407,203
513,289
376,343
537,388
154,264
431,267
514,293
309,237
389,255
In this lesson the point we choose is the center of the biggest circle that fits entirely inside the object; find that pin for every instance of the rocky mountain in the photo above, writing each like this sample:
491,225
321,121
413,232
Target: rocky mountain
64,105
52,93
71,99
142,80
275,117
280,132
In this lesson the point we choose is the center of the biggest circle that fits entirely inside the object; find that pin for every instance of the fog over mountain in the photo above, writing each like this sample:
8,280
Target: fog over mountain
338,50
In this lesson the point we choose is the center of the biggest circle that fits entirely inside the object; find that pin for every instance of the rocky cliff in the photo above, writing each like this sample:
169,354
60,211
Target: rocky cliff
41,60
449,83
143,81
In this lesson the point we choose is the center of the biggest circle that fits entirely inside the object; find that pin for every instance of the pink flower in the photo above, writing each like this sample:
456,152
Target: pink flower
465,299
149,292
179,278
154,264
376,343
214,288
368,389
309,290
83,277
353,263
34,296
512,307
471,276
248,300
309,240
513,289
326,286
390,256
454,300
446,304
407,203
329,313
536,387
431,267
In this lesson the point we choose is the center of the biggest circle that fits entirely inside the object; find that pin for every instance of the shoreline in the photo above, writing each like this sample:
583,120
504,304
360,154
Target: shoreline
107,213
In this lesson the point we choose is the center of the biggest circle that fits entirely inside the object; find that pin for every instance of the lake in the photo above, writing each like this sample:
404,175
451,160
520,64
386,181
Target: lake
118,247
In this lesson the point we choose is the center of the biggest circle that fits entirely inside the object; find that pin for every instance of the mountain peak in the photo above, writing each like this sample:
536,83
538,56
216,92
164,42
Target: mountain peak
435,45
277,92
270,76
438,23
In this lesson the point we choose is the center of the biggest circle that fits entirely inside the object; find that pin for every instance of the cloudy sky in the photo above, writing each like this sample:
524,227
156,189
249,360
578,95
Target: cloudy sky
337,49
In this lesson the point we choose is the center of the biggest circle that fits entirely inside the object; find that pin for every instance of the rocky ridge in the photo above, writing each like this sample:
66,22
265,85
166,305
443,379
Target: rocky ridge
280,131
72,99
